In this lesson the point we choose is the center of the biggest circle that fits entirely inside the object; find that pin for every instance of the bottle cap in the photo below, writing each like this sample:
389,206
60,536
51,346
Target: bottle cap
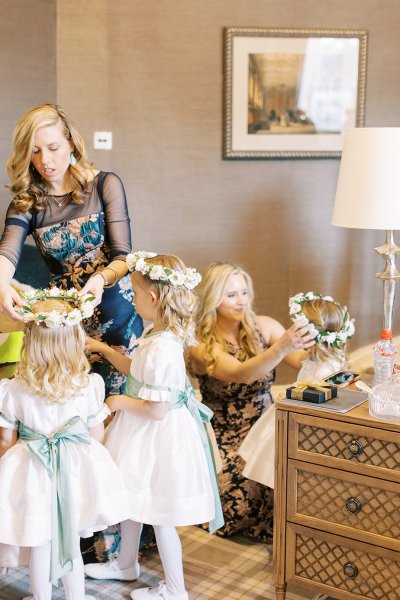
386,334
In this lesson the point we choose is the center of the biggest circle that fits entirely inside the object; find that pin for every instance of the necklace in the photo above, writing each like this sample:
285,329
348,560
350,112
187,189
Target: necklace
59,202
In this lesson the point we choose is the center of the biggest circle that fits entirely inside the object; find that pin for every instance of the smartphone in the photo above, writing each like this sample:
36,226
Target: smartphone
342,378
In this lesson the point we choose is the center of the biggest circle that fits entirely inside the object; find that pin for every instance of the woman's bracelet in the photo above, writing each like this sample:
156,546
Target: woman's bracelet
106,282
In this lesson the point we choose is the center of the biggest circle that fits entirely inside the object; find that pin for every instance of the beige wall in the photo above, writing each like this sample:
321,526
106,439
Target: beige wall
152,72
27,67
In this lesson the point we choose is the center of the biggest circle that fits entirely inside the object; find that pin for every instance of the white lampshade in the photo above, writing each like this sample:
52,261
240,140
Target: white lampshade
368,189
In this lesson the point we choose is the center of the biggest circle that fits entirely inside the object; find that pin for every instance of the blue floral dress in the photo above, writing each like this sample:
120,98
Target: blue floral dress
76,240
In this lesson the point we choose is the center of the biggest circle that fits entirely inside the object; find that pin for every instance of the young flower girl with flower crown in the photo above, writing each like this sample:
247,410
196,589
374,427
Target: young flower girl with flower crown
157,437
332,327
58,482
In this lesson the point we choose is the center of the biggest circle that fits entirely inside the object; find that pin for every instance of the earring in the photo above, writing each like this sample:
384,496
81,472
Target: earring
72,159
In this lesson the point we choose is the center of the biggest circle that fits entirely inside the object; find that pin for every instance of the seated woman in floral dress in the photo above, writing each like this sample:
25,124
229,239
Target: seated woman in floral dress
234,362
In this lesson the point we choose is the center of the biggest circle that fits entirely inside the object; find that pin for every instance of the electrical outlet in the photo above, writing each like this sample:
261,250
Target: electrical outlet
102,140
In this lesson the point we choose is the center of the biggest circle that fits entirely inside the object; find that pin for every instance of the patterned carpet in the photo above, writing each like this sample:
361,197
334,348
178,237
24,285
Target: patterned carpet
215,568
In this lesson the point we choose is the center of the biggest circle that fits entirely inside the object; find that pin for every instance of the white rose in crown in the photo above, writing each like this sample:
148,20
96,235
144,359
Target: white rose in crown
156,272
341,337
141,266
176,278
87,306
294,308
329,338
73,317
53,319
350,328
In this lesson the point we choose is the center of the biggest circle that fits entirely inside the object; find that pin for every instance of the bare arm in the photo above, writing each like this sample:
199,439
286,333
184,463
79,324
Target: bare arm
8,438
155,411
229,369
271,331
119,361
108,276
8,296
97,432
118,235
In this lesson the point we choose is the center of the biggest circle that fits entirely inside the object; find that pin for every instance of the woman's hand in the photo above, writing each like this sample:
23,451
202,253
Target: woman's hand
297,337
8,299
95,286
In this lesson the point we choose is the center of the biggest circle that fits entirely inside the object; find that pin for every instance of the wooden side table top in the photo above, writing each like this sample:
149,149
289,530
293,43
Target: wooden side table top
359,415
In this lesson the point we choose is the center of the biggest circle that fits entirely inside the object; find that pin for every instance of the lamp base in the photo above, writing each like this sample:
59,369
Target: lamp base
389,251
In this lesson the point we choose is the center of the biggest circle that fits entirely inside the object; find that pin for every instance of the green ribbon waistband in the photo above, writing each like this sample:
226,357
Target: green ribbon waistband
52,452
202,415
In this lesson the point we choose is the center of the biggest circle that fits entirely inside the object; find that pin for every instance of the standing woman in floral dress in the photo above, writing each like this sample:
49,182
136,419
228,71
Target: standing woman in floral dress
234,362
79,220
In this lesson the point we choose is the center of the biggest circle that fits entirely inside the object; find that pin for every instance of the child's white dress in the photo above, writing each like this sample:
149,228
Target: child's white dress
163,462
97,492
258,448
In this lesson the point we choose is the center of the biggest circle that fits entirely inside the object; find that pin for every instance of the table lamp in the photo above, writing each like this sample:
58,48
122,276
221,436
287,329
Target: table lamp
368,195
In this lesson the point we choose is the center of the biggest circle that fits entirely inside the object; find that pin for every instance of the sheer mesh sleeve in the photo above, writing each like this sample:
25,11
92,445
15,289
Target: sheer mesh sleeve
16,229
116,216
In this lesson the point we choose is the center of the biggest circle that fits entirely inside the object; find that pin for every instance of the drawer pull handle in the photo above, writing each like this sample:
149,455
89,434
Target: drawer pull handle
353,505
355,447
350,570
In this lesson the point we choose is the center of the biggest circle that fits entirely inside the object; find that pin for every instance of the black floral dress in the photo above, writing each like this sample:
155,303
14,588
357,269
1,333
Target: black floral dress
247,505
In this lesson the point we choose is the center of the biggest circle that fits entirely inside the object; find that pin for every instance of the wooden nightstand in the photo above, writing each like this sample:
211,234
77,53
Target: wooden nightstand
337,503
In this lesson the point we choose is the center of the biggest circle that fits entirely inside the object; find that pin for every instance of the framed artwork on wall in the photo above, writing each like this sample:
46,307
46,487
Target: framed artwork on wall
291,93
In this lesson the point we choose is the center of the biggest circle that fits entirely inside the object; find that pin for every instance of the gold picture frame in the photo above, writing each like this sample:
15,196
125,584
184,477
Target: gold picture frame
290,93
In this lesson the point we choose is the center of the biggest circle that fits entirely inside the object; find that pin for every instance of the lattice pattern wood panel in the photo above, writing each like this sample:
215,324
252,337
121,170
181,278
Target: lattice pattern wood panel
325,498
367,574
378,453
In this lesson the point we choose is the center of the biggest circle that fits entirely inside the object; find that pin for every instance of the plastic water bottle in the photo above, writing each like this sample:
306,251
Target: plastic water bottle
385,354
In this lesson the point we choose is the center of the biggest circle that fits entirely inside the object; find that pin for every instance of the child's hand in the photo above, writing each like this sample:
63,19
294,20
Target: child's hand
113,402
93,346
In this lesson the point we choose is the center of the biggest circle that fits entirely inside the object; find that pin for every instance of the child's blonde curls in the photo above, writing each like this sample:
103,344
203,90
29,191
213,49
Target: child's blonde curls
177,304
53,362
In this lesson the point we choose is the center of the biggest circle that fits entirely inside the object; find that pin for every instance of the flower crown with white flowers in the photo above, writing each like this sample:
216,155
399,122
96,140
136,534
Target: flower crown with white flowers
334,338
136,262
82,307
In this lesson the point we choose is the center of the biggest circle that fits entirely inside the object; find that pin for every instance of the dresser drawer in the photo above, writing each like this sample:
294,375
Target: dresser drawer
344,503
346,569
355,448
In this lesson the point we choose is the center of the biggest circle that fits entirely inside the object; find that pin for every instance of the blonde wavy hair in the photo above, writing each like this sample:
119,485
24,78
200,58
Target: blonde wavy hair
211,291
326,316
53,362
29,189
177,304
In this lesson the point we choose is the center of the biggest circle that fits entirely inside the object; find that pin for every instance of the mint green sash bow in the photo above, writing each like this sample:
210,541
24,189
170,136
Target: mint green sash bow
202,415
52,453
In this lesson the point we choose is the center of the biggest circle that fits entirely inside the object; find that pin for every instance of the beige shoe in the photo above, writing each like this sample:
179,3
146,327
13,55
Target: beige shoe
111,570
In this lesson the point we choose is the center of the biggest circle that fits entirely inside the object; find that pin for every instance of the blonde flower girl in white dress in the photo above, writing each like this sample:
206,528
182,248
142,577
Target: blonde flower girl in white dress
58,481
158,437
332,326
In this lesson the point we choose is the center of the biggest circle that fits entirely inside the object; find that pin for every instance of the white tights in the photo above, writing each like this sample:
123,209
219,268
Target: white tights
39,568
169,548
